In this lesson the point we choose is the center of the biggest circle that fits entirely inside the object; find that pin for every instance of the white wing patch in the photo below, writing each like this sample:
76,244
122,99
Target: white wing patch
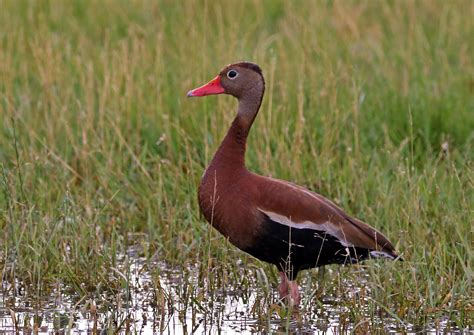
381,254
326,227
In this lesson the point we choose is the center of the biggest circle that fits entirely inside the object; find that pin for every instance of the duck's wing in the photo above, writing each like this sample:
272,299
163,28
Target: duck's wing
290,205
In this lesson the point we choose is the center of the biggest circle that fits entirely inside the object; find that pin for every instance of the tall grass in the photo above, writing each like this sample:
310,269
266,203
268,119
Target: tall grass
368,103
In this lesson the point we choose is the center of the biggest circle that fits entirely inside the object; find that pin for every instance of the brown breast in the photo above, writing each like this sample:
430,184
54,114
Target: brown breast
227,200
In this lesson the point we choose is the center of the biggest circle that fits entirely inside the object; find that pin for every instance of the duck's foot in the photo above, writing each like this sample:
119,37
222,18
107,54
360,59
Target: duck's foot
289,290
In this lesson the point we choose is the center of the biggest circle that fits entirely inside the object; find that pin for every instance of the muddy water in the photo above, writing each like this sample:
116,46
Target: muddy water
171,305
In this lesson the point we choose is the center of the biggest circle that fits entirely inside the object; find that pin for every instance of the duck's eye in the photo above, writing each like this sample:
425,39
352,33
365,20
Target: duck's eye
232,74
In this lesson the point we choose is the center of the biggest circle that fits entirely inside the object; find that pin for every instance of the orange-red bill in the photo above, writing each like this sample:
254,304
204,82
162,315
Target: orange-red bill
212,87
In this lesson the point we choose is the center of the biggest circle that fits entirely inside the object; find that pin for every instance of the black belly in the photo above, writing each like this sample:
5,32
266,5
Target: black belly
293,249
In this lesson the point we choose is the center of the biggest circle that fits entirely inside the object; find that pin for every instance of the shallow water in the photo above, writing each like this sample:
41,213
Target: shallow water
173,304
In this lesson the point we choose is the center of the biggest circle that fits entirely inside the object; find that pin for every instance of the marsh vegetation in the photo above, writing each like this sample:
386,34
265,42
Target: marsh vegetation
368,103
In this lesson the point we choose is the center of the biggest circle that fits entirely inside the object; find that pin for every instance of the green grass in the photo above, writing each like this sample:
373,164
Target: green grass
368,103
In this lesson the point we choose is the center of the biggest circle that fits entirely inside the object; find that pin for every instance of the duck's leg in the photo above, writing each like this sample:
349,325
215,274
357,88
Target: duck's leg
289,290
294,296
283,287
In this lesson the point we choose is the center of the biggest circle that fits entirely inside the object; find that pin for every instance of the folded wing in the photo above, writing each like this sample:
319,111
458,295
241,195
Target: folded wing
296,207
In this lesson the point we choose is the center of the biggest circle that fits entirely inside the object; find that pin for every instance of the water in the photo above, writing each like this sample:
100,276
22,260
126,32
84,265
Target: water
175,304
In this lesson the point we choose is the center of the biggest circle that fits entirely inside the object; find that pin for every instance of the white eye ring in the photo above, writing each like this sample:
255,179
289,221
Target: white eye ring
232,74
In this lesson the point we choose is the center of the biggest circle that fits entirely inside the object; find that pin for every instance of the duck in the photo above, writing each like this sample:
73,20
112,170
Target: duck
273,220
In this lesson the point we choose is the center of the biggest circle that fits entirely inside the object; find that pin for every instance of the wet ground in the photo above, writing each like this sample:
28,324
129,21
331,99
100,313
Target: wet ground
174,305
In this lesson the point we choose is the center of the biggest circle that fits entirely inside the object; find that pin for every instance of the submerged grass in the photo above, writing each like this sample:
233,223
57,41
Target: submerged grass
368,103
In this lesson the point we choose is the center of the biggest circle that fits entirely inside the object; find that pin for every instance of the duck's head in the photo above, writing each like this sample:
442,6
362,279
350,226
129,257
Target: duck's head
239,80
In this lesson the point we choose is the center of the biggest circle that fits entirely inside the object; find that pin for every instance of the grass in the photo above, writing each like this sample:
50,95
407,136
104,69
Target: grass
368,103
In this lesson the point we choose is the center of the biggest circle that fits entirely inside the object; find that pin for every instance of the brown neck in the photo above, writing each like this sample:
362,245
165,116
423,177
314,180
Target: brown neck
231,152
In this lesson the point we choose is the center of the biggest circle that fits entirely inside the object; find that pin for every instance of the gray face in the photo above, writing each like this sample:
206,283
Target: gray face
240,81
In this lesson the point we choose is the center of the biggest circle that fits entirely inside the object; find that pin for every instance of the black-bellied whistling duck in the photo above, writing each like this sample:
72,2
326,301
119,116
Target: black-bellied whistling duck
274,220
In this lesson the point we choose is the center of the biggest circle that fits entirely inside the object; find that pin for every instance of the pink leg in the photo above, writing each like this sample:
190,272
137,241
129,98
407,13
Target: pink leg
294,293
283,286
289,290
